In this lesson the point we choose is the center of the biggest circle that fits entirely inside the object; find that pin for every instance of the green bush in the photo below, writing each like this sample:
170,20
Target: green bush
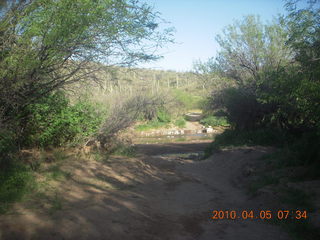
161,119
7,146
240,106
153,124
304,150
53,121
163,116
299,151
214,121
180,122
15,182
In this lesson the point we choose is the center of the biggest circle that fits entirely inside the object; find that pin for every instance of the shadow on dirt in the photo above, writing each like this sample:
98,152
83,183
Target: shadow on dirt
171,148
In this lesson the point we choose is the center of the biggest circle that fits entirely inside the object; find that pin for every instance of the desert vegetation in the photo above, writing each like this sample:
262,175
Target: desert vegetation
68,81
275,97
70,88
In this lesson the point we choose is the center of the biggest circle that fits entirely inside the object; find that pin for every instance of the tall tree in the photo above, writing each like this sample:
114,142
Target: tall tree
304,37
249,48
46,44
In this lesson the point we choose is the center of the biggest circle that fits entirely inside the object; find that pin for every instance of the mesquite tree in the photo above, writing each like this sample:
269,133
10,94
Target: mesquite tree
249,48
46,44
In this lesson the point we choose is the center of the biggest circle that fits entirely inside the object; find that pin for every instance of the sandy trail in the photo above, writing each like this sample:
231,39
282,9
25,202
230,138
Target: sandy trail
154,196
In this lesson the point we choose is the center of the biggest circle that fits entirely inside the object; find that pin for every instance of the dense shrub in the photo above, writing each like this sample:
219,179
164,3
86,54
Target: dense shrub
15,182
53,121
152,104
7,146
240,106
127,112
162,119
276,100
163,116
305,149
180,122
214,121
156,112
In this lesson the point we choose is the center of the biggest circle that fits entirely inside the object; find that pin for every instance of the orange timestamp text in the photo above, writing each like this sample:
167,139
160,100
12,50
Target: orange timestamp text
260,214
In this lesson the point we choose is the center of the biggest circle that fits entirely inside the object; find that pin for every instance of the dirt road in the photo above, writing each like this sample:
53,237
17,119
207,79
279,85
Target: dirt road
155,196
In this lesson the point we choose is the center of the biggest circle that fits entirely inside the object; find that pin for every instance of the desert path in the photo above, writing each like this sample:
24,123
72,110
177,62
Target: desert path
164,193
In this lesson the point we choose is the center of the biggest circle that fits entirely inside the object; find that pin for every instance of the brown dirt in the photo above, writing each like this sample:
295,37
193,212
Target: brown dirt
149,197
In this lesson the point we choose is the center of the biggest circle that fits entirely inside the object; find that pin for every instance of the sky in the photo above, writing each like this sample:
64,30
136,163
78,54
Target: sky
198,21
